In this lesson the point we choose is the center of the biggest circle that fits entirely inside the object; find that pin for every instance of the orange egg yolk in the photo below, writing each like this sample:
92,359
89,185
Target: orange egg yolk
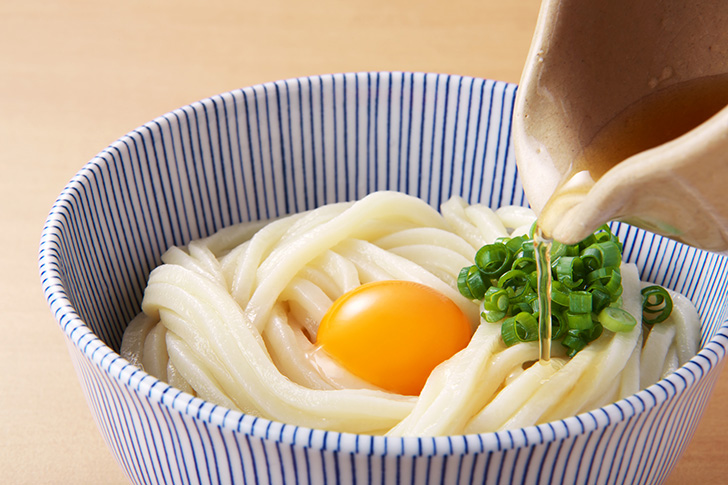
393,333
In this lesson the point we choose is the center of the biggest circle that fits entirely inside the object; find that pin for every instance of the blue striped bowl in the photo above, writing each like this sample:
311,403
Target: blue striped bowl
293,145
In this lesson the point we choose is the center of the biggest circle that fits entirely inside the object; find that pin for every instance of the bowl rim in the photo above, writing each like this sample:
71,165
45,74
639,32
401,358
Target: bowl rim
712,354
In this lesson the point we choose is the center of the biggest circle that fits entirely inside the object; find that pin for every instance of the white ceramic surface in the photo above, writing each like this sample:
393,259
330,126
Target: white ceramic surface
293,145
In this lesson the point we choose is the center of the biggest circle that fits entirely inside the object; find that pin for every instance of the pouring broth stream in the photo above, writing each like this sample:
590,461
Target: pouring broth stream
542,247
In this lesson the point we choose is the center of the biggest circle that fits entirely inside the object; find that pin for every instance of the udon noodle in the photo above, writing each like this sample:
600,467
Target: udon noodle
232,318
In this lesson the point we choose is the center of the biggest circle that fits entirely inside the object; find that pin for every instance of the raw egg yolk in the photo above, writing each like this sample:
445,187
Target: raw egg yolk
393,333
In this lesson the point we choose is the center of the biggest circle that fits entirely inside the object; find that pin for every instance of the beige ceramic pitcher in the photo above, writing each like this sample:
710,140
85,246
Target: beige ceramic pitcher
621,114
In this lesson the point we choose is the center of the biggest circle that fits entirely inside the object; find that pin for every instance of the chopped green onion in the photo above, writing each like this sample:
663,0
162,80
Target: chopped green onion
611,253
559,293
592,258
580,302
518,307
616,319
525,263
532,299
586,242
495,298
603,254
463,283
516,282
605,234
559,327
493,260
495,304
521,328
656,304
471,284
572,250
600,275
573,342
493,316
614,285
514,244
569,270
593,333
600,297
609,277
586,289
527,249
578,321
558,250
576,339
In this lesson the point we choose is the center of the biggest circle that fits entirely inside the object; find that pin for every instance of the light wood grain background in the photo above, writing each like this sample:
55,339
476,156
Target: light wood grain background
77,74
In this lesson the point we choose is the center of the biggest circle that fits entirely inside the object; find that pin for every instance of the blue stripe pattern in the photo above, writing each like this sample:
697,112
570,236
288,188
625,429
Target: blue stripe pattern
293,145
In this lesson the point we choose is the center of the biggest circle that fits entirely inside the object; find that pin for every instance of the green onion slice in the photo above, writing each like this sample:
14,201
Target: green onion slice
616,319
569,270
559,293
580,302
573,342
656,304
493,260
521,328
463,283
578,321
496,298
471,284
600,297
559,327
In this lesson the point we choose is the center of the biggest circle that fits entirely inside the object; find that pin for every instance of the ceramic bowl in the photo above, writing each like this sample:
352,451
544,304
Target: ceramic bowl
293,145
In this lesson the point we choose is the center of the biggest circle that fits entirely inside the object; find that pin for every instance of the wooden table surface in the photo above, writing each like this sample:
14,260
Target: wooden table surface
77,74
